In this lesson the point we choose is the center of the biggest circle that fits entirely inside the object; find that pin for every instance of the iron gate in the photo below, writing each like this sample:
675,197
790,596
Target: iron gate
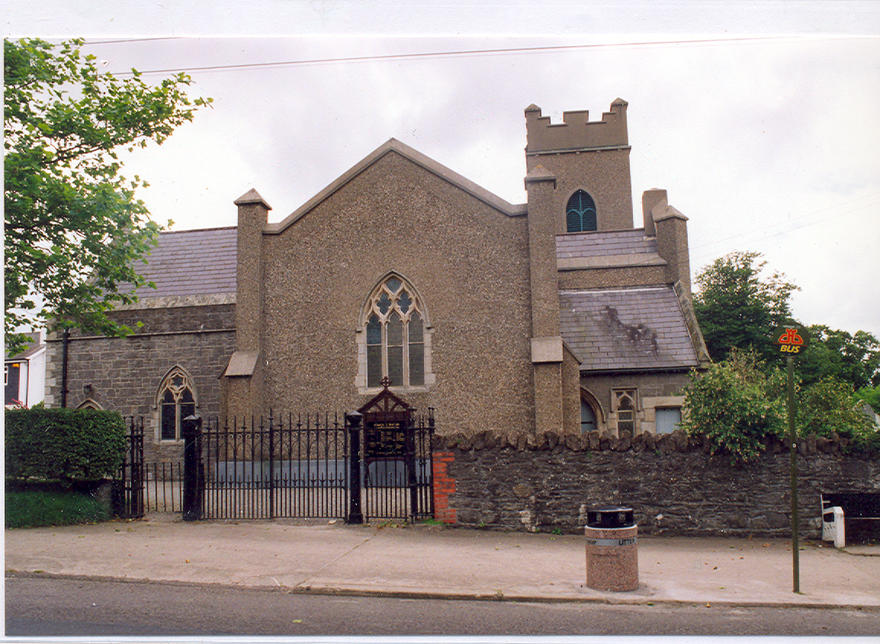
268,468
396,467
315,467
128,486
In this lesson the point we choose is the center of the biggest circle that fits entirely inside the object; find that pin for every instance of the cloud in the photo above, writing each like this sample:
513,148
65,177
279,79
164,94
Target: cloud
767,146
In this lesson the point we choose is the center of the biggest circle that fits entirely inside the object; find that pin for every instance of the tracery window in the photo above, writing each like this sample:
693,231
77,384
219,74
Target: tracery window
580,213
176,401
395,336
624,402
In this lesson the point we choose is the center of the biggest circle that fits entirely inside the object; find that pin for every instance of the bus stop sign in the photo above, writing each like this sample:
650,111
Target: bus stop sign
790,340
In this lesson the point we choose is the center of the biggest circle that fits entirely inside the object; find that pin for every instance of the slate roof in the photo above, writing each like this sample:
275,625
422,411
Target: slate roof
191,262
631,329
34,345
624,243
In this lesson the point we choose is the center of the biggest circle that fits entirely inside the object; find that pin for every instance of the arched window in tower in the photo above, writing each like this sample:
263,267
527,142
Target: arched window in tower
395,335
580,213
176,401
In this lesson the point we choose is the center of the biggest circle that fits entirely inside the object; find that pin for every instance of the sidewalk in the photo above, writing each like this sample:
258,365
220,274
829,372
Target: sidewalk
434,561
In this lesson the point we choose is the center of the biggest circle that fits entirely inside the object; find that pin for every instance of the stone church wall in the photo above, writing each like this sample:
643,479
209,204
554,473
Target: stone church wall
673,484
124,374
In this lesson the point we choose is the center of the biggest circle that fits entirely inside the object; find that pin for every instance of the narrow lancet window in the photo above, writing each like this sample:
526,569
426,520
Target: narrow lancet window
580,213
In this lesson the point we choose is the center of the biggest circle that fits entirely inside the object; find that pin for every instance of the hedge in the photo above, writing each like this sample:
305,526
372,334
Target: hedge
64,445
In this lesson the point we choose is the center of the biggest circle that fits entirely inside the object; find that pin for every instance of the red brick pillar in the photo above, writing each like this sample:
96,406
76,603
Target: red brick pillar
444,486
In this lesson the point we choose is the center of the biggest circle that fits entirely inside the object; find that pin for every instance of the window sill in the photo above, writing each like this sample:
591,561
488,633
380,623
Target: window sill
372,391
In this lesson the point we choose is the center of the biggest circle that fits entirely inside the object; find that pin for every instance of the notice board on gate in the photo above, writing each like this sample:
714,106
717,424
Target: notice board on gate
386,422
385,440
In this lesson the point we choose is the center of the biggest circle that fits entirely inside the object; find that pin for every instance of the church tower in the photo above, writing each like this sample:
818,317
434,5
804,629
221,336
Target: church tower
578,180
590,161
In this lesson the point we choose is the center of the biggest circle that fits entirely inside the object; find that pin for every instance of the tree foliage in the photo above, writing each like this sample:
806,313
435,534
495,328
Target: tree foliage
870,395
738,307
73,224
829,407
736,406
851,358
740,402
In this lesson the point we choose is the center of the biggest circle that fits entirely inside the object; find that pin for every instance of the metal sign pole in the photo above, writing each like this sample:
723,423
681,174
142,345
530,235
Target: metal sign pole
792,341
792,440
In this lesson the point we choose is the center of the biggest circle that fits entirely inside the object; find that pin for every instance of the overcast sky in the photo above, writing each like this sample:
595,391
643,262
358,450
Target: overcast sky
765,132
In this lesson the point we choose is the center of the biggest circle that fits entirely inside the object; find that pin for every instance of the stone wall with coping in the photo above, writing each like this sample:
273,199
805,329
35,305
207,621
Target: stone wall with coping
674,485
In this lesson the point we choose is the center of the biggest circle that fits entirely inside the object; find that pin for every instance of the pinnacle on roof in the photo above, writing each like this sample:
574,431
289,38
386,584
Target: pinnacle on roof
251,196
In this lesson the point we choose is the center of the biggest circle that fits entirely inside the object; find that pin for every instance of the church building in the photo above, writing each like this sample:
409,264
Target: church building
553,315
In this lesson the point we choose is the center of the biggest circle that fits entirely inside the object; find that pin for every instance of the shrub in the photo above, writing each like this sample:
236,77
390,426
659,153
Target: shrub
736,406
34,508
64,445
829,406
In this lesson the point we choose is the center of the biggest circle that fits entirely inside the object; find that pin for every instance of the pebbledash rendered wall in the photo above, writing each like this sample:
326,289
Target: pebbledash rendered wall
548,483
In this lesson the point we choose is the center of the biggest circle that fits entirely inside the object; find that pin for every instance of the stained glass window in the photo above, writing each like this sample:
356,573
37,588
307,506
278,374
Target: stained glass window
588,418
395,333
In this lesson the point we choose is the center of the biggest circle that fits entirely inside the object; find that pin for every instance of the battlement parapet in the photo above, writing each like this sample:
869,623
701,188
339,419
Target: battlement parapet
576,132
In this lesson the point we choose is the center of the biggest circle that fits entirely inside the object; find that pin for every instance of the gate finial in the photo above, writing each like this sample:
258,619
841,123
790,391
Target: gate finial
385,382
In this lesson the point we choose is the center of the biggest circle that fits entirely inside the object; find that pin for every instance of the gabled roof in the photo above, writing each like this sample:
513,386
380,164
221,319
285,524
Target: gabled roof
629,329
34,346
393,145
191,262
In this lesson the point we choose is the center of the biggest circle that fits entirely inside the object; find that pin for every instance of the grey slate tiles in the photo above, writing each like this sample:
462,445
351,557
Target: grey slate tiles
191,262
602,244
626,329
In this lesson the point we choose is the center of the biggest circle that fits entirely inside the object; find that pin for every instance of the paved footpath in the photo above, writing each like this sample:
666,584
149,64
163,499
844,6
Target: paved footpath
435,561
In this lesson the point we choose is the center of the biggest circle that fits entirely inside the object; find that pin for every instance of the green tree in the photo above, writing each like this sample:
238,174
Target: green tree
737,306
830,406
739,402
854,359
870,395
73,224
736,405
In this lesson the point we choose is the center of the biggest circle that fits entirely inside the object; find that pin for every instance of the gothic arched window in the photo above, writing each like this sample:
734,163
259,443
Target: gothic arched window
176,401
580,213
395,328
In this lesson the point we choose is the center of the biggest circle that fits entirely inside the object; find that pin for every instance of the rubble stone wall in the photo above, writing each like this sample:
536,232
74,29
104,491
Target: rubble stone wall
673,483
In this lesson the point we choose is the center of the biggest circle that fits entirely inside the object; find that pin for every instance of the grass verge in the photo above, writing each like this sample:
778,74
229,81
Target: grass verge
34,508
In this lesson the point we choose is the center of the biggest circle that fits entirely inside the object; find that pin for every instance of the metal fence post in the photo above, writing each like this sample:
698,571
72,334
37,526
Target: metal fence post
355,515
410,469
192,462
137,465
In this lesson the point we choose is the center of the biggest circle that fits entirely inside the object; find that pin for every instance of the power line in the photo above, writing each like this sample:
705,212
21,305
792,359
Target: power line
451,54
124,40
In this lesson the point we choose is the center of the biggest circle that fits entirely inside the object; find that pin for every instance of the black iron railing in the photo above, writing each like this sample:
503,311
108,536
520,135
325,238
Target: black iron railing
319,466
128,489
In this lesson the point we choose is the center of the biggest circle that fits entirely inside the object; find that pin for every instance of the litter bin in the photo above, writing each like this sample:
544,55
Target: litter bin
612,549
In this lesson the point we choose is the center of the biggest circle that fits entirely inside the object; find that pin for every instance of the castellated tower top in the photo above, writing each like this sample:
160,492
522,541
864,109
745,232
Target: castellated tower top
576,132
